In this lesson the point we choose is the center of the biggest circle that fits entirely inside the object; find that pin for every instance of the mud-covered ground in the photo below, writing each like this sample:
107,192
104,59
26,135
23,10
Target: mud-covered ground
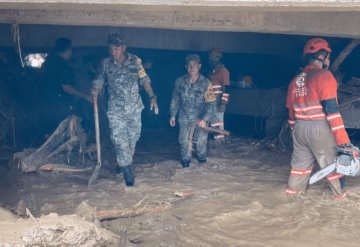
237,199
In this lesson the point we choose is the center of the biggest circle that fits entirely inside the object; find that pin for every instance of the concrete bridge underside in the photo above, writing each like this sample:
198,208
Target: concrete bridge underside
316,17
257,26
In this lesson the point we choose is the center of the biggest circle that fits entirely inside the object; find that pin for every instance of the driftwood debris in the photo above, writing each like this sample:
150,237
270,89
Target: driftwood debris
67,139
343,55
206,128
217,131
341,58
130,212
50,167
281,142
349,94
55,231
136,210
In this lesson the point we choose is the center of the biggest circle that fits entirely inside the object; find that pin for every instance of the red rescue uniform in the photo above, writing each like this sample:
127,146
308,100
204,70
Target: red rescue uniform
316,131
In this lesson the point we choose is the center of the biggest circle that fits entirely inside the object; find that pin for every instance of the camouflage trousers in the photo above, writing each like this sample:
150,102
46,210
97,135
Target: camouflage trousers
125,129
200,139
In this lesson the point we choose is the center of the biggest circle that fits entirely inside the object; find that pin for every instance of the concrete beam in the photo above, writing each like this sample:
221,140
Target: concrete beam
337,24
269,5
43,36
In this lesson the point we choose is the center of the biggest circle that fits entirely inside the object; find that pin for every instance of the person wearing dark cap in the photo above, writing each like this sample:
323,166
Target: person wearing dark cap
60,92
123,74
193,100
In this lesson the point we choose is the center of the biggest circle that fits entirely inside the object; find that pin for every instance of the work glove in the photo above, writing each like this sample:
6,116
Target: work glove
154,105
349,147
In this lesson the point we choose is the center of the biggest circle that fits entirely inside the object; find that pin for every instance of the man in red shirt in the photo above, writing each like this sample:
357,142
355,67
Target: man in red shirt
314,116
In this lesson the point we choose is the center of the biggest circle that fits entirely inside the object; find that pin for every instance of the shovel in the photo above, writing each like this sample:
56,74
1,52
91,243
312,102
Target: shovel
98,148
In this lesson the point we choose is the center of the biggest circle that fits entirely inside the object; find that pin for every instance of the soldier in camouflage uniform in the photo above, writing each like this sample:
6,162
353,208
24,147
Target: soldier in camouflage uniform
123,73
193,98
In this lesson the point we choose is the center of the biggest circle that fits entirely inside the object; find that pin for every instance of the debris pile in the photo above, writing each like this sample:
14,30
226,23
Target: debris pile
53,230
67,142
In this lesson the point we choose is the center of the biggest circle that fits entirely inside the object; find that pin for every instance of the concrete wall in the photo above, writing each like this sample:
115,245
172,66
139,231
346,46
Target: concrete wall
182,25
278,4
321,17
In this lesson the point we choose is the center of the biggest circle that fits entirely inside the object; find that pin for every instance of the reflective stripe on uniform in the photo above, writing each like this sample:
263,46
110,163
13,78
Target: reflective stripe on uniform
290,191
310,117
225,97
333,116
298,172
338,127
309,111
334,176
341,196
217,124
304,109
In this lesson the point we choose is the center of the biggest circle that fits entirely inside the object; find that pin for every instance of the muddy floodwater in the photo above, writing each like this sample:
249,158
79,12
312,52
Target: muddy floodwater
236,199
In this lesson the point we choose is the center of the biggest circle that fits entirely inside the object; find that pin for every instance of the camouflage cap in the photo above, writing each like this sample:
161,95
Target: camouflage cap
192,57
115,39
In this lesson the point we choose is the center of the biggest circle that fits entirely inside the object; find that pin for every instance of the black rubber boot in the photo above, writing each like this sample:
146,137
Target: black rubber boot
201,158
128,176
117,170
202,161
185,163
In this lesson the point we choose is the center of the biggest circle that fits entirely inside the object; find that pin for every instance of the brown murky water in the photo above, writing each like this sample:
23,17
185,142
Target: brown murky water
237,199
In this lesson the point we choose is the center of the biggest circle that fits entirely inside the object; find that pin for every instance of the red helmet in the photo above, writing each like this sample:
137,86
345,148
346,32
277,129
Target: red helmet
316,44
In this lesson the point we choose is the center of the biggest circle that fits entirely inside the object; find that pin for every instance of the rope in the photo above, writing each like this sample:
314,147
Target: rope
16,38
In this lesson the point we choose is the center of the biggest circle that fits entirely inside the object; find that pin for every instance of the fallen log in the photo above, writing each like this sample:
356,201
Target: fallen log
344,54
62,168
206,128
217,131
130,212
90,213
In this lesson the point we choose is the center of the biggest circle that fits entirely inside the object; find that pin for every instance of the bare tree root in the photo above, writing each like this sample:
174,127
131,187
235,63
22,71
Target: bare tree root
63,142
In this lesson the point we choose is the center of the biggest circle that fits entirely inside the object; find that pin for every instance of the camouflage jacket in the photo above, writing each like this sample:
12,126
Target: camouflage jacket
193,101
122,81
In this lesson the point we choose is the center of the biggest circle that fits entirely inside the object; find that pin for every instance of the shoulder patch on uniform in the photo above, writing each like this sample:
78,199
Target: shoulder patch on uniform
138,60
209,95
141,70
